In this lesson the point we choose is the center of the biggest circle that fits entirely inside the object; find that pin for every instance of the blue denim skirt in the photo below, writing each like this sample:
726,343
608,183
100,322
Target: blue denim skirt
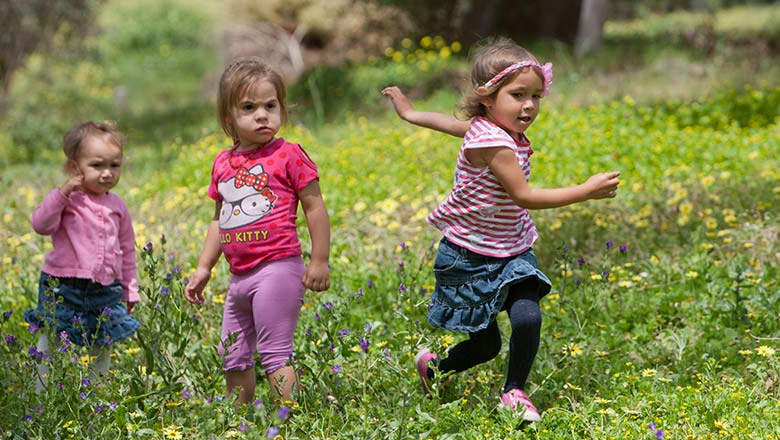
89,312
471,288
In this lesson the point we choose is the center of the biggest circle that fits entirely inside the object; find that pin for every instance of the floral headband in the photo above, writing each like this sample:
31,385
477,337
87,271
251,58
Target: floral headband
546,68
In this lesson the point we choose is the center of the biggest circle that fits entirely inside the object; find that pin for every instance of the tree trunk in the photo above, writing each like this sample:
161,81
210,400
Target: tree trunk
590,35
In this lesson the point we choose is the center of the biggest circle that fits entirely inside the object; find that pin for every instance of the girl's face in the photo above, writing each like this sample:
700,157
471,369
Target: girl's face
516,104
258,116
100,162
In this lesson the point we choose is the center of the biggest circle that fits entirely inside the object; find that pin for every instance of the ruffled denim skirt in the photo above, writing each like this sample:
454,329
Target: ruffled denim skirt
90,313
471,288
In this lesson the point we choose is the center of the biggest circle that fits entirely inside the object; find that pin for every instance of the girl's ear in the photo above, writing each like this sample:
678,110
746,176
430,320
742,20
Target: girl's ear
487,101
73,167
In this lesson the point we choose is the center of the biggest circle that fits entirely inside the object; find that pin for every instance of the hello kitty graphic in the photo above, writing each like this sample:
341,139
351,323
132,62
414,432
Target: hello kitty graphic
246,198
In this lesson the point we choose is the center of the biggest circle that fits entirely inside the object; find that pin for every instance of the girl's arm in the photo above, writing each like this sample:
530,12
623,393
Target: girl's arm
129,271
437,121
47,216
504,165
208,259
317,274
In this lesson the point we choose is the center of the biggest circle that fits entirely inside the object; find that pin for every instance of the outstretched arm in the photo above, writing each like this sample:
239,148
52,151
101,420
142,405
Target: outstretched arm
504,165
436,121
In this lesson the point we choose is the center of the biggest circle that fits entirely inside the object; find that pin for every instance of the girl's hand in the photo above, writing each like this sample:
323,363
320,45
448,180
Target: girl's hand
72,184
130,306
603,185
317,277
401,103
194,290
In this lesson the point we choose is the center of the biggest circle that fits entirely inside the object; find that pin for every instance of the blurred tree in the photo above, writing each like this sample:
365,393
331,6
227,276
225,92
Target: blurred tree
29,25
471,20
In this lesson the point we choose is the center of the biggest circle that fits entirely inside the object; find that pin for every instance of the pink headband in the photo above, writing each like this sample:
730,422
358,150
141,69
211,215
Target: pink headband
546,72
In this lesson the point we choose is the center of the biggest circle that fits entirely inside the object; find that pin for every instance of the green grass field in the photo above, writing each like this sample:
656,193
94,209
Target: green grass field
662,322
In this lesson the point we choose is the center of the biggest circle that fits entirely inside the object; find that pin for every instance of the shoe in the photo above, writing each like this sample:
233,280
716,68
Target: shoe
423,358
514,398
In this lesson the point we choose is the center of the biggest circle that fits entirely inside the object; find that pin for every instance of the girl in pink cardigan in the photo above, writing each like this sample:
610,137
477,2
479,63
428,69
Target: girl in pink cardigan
88,284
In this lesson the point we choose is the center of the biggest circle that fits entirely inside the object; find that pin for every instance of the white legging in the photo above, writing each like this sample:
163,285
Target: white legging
101,353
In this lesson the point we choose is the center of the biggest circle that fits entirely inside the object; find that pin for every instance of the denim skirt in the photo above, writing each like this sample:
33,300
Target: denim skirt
90,313
471,288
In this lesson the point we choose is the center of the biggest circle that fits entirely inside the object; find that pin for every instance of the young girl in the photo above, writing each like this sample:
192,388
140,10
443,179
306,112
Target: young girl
257,185
485,262
91,269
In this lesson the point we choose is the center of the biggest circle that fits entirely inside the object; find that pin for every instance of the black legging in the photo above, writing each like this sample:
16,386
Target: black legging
525,317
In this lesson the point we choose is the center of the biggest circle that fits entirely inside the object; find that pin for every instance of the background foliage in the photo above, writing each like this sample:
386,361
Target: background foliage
662,323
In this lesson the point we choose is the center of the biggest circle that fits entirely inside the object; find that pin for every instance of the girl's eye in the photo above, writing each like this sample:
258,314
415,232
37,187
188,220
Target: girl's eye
247,107
270,105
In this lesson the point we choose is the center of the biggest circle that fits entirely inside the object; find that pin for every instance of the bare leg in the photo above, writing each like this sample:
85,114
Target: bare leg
245,380
284,382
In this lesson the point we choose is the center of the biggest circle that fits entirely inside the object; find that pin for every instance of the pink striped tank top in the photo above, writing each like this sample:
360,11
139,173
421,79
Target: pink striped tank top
478,214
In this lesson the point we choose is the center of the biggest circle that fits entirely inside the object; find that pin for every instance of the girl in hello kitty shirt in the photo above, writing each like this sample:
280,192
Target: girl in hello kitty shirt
256,186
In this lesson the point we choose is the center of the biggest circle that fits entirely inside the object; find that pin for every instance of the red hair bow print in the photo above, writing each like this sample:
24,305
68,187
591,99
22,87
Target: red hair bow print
256,181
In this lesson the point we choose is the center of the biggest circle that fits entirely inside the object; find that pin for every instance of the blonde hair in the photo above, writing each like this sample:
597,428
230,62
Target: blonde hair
489,58
74,138
237,78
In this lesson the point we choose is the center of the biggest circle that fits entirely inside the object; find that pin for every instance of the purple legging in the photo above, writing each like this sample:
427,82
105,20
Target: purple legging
261,311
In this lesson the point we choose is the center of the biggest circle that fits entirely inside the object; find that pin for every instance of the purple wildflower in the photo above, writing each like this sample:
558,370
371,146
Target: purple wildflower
328,305
403,245
106,312
336,369
580,261
113,405
257,403
176,269
283,412
605,274
370,283
651,426
659,434
35,354
32,328
364,344
7,314
168,276
185,394
272,432
10,339
243,426
386,352
82,395
609,244
402,288
577,281
344,332
85,382
401,264
623,248
360,293
316,316
164,290
308,333
367,328
148,247
100,407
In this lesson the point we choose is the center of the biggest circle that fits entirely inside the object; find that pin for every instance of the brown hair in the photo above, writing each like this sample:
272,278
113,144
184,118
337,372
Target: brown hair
490,57
74,138
237,78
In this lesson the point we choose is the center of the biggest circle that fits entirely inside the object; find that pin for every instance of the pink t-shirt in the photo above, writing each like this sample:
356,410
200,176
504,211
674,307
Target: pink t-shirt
259,194
92,236
478,214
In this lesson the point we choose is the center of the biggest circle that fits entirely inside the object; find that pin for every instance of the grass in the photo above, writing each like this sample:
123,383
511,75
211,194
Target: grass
662,323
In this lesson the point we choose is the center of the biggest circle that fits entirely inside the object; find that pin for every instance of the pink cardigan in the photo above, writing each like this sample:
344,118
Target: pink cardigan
93,239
